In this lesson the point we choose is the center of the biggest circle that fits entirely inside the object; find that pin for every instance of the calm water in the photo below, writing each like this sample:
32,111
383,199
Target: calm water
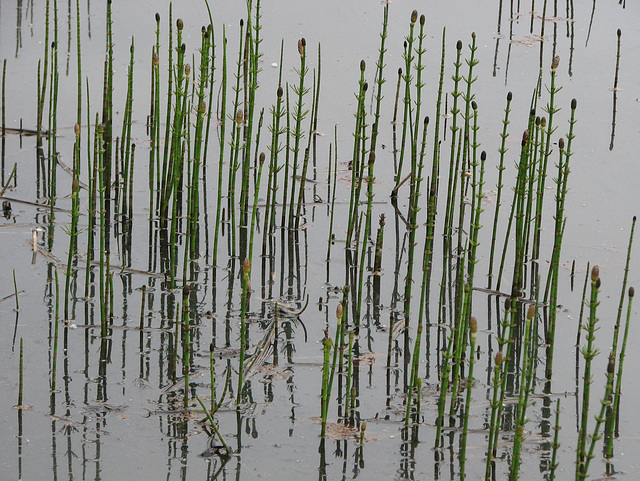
121,418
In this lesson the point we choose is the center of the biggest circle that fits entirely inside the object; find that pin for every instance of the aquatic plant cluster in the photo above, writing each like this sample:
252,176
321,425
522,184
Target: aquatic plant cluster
224,289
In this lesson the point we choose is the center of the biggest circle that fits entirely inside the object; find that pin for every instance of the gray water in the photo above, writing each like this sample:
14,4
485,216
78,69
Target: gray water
120,423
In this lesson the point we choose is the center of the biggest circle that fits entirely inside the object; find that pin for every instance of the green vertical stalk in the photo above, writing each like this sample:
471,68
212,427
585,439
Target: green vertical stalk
560,221
494,404
125,152
527,371
555,445
102,233
75,213
355,161
254,211
325,393
589,352
379,78
614,349
222,115
246,276
43,83
299,115
502,150
408,60
618,387
473,329
432,199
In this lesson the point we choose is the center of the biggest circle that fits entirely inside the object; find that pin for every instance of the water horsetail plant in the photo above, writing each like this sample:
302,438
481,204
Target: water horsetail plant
337,351
432,199
452,178
502,151
526,379
407,78
613,411
615,91
246,287
178,225
327,343
75,213
555,445
615,408
496,384
560,221
589,352
473,329
380,65
506,346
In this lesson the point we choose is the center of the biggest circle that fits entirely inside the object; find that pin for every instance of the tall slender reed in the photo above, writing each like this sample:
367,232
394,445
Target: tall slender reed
589,352
407,78
502,151
473,329
246,276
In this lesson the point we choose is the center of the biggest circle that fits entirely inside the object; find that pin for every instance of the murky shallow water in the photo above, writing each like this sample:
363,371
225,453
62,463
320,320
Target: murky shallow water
120,420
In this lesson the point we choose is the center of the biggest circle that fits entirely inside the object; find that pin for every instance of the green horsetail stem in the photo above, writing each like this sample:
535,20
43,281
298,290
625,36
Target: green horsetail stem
589,352
502,151
299,115
473,329
75,213
526,378
42,81
560,222
555,445
222,114
349,373
355,160
494,403
246,276
254,211
333,184
407,78
214,426
615,91
326,390
507,339
432,199
380,65
618,388
419,68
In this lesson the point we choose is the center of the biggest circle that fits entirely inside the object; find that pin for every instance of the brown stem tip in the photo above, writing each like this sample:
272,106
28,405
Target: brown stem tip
595,273
473,325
